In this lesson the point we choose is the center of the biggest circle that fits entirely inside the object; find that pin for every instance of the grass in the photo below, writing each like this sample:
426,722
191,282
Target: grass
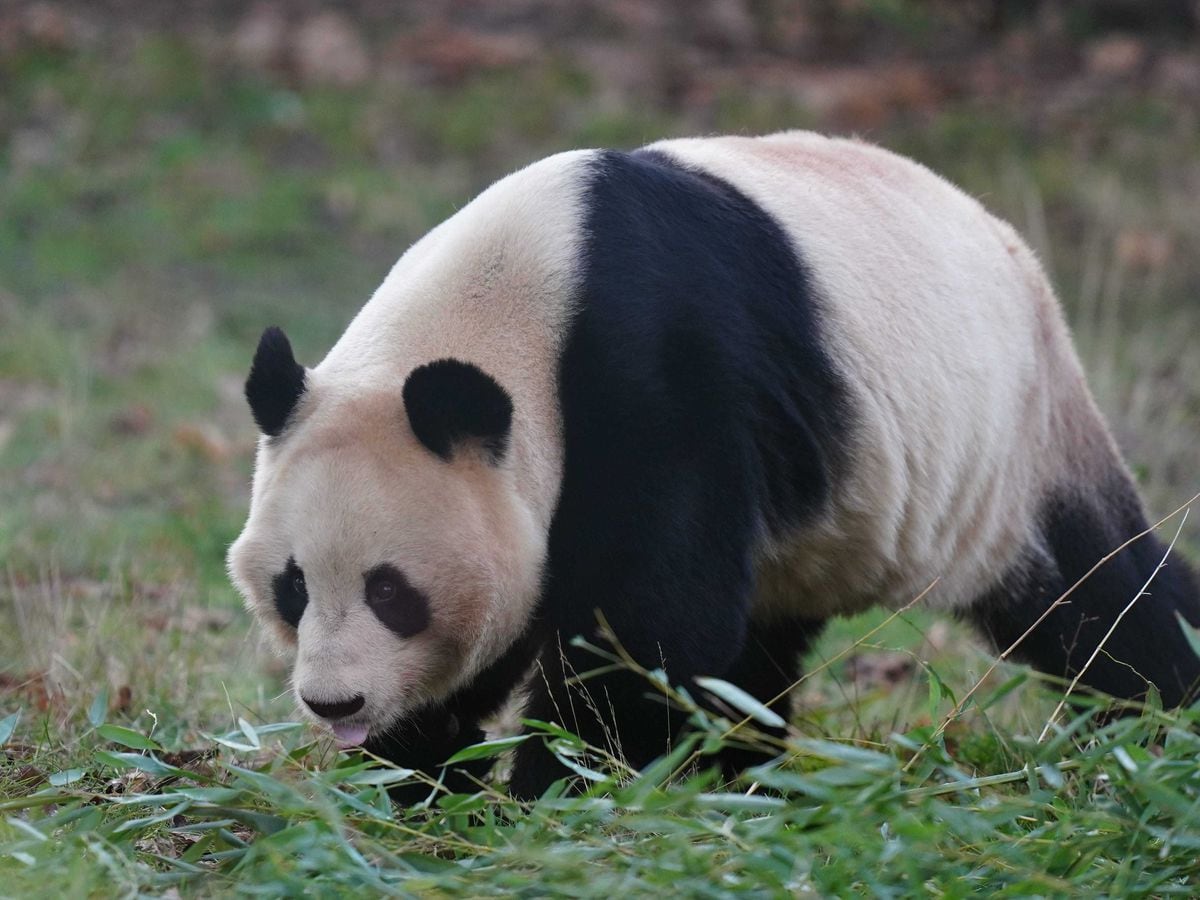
159,208
265,807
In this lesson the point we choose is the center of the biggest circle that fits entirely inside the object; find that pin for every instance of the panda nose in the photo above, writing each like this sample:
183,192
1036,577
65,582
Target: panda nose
338,709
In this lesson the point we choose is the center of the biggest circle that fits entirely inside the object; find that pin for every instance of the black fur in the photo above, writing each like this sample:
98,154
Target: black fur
767,667
699,409
1148,647
275,383
407,612
291,593
426,739
449,401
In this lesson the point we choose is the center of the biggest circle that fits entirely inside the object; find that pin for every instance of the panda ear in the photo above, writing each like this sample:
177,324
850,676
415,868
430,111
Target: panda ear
275,384
449,402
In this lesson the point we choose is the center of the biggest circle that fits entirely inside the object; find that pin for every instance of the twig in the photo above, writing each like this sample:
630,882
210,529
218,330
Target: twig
1053,606
1091,659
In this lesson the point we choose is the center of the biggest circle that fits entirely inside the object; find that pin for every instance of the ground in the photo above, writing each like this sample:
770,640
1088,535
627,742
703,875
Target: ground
165,193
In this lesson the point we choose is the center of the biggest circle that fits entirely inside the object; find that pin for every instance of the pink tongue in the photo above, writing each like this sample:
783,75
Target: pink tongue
349,735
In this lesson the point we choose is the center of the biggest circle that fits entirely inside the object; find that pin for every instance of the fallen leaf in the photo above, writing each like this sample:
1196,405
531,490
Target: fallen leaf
1141,248
205,441
873,671
132,420
123,700
196,619
32,688
1114,57
328,49
260,38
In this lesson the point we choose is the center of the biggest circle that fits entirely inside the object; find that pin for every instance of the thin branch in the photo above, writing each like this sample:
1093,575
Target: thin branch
1091,659
1053,606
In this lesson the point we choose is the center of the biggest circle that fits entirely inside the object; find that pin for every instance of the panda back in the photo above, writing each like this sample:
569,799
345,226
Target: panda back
966,402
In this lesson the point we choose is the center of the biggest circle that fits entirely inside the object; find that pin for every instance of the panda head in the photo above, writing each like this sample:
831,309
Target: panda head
386,543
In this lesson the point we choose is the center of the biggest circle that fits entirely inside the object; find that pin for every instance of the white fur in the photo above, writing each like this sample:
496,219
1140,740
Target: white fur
948,335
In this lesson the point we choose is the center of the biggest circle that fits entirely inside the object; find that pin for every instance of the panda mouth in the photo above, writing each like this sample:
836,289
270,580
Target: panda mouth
348,735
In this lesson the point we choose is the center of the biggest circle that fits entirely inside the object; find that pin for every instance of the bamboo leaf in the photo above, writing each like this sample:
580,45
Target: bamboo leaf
65,777
1190,633
487,749
99,708
741,701
250,733
8,725
127,737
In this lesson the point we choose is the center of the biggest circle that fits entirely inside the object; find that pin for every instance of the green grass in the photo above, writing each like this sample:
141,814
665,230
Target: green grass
955,806
158,208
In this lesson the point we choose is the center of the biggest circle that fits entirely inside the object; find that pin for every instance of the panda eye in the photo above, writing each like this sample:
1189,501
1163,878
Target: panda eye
291,593
382,588
395,601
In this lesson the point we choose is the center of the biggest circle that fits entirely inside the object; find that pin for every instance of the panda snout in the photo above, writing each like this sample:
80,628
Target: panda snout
335,709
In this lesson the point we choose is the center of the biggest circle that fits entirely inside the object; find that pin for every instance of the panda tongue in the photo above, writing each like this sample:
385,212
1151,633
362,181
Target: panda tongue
349,735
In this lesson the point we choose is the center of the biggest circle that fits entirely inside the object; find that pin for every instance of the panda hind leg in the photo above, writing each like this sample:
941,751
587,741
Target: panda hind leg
1146,646
768,666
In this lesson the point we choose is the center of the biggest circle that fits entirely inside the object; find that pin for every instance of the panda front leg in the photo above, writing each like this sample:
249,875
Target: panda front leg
616,712
666,492
687,619
619,712
622,713
767,669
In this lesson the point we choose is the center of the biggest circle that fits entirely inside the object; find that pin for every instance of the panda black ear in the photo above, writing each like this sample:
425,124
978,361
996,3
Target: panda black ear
449,402
276,382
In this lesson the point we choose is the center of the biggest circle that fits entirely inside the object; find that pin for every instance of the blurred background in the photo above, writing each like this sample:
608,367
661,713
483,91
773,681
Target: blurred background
176,176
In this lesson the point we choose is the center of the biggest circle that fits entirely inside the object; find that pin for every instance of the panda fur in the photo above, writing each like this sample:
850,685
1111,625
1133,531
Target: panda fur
719,390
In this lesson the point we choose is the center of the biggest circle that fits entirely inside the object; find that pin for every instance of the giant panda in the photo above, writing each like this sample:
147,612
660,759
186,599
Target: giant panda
712,393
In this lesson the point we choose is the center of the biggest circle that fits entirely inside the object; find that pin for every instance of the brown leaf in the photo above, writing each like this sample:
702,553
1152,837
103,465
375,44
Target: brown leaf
866,97
451,54
885,670
123,700
184,758
938,636
135,781
196,619
328,49
27,777
31,688
170,844
48,25
1143,249
1114,57
260,38
203,440
133,420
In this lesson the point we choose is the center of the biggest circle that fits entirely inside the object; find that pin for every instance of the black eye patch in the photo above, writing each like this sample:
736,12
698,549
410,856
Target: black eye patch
291,593
395,602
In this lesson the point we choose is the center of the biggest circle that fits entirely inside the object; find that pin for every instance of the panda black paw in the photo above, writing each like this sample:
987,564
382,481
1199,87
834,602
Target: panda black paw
424,742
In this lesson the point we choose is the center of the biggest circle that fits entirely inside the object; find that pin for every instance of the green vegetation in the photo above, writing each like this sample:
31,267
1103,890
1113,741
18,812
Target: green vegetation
1083,813
157,209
